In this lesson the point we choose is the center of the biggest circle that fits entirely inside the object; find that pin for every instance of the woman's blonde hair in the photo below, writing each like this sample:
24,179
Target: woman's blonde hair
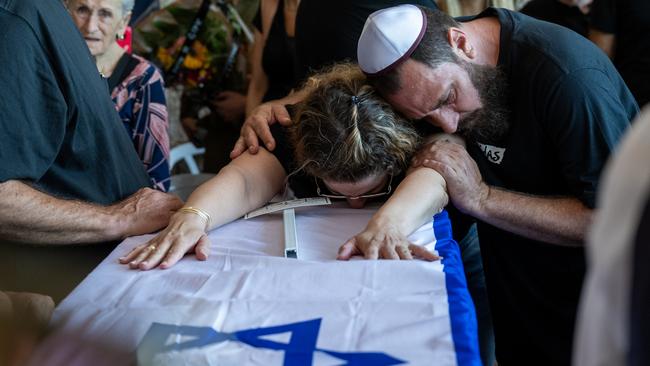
344,131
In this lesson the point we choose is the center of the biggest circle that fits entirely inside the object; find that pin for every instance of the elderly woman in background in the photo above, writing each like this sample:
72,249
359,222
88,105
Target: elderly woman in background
136,85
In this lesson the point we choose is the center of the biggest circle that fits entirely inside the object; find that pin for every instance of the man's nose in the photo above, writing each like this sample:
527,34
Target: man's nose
446,119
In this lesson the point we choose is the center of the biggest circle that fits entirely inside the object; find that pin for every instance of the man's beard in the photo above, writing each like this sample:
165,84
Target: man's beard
490,123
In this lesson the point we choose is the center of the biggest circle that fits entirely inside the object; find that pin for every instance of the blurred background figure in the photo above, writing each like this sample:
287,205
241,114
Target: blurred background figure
273,75
328,31
24,318
136,85
572,14
273,59
201,46
457,8
142,8
621,28
613,325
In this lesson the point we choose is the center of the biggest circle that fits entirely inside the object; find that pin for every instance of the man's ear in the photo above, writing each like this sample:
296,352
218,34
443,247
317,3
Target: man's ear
461,45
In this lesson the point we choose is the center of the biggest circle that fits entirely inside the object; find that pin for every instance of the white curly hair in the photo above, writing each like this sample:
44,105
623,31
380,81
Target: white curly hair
127,6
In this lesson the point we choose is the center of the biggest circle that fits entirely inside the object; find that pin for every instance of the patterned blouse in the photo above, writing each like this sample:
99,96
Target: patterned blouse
140,101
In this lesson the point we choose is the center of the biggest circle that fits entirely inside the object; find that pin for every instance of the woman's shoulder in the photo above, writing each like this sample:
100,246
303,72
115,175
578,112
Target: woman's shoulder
144,72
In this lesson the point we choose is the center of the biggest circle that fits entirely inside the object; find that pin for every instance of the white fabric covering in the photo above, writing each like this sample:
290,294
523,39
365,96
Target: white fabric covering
398,308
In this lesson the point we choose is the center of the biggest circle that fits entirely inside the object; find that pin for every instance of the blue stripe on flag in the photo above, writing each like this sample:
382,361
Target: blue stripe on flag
461,308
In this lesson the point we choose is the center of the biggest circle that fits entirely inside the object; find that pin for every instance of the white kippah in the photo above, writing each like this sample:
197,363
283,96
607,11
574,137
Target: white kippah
389,37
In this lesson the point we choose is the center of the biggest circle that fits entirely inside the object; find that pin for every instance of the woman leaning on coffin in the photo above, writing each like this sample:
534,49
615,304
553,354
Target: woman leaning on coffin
346,143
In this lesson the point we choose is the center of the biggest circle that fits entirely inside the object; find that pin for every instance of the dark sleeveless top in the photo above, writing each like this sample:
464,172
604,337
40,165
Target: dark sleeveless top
278,57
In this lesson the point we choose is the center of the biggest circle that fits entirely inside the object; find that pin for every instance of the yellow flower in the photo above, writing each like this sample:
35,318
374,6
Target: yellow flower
199,49
192,63
164,57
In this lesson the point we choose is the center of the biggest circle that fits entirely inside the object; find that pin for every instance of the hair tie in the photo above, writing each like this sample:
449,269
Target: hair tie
355,100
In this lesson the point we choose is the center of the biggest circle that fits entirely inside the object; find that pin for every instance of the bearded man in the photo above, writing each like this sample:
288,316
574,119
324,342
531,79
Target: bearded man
541,109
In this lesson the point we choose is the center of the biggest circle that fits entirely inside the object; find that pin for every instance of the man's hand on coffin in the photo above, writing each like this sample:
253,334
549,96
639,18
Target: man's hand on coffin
383,241
185,234
144,212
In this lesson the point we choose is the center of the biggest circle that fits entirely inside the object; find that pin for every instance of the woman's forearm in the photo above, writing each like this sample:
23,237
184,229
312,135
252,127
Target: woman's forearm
245,184
418,197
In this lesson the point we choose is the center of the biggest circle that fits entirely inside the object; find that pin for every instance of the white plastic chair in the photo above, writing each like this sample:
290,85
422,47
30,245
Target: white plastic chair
186,152
183,185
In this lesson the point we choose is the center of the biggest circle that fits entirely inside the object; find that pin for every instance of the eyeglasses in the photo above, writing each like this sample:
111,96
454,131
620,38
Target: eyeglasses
340,196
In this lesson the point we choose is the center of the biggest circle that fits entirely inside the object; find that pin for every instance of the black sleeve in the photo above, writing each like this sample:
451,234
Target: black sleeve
585,120
302,184
283,151
602,16
33,111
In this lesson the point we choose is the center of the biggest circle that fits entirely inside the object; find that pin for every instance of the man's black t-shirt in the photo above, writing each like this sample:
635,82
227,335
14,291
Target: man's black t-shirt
60,130
629,21
328,31
569,108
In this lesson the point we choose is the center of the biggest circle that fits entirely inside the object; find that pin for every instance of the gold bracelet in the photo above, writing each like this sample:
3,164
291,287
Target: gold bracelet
201,213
